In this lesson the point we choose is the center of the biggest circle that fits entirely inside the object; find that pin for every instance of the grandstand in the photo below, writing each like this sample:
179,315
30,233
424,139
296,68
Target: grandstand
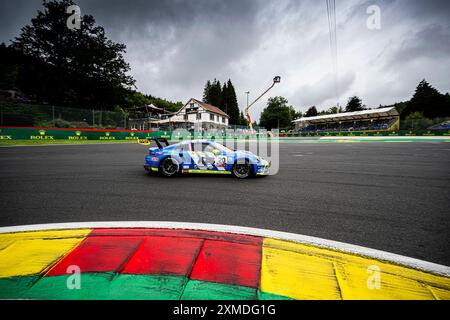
383,119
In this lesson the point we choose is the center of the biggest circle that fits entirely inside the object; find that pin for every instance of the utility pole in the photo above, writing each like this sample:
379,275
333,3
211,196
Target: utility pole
247,93
277,79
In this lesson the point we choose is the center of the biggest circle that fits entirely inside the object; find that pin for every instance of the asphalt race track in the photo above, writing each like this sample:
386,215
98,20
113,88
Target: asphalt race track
387,196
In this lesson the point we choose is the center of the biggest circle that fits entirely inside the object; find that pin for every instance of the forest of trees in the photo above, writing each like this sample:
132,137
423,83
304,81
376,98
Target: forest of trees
81,68
225,98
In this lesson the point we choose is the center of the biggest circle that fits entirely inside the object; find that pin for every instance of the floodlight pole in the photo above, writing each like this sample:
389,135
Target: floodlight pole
249,120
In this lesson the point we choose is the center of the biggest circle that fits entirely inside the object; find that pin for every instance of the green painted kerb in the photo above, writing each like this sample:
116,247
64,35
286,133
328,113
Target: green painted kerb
113,286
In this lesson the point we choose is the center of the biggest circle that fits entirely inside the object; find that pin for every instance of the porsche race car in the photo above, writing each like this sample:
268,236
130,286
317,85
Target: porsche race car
202,156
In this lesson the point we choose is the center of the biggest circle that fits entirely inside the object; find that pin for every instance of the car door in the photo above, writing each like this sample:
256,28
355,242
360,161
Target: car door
205,157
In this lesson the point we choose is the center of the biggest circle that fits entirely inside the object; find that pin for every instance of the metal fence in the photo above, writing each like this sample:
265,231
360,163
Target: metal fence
13,113
28,115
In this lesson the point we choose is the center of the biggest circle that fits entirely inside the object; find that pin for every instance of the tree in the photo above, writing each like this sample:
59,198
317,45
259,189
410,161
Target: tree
222,97
428,101
416,121
83,67
277,114
216,93
135,98
333,110
165,104
212,93
242,119
311,112
206,92
229,102
9,71
354,104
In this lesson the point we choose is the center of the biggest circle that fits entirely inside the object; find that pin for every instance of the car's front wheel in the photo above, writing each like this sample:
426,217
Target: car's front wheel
242,169
169,167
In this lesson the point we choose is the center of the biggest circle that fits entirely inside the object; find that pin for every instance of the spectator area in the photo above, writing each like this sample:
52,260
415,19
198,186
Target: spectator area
383,119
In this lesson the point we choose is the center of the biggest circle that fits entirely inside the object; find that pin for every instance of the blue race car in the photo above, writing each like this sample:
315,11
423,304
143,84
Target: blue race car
202,156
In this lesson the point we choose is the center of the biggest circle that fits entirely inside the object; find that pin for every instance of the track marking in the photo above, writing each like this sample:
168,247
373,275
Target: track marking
302,239
28,257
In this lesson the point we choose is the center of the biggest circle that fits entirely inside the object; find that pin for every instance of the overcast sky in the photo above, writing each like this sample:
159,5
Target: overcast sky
174,46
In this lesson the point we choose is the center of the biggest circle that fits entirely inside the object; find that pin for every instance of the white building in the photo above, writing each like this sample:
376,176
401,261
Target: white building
195,114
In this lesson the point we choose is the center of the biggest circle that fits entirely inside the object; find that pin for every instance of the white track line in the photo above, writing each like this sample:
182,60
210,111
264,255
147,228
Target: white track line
340,246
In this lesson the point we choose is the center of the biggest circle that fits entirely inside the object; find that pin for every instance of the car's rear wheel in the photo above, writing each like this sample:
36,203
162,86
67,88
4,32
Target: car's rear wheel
169,167
242,169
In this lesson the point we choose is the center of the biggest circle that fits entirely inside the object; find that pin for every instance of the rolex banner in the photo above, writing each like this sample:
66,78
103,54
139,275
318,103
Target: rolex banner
31,133
36,133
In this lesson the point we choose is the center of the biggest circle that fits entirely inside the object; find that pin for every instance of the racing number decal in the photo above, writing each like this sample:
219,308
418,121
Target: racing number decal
221,162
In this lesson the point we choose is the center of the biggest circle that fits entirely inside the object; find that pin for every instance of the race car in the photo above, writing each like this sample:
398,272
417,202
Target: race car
202,156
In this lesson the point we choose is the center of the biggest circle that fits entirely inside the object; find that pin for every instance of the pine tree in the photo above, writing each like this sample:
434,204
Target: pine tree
311,112
206,92
224,98
428,101
215,94
229,102
354,104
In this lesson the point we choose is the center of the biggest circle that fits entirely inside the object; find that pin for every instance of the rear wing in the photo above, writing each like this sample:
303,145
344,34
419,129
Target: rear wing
159,141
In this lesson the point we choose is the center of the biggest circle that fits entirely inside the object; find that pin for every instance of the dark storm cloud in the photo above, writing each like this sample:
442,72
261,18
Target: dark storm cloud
180,44
174,46
14,15
431,42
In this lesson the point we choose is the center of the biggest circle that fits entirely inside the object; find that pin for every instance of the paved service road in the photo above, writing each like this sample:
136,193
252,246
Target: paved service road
387,196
